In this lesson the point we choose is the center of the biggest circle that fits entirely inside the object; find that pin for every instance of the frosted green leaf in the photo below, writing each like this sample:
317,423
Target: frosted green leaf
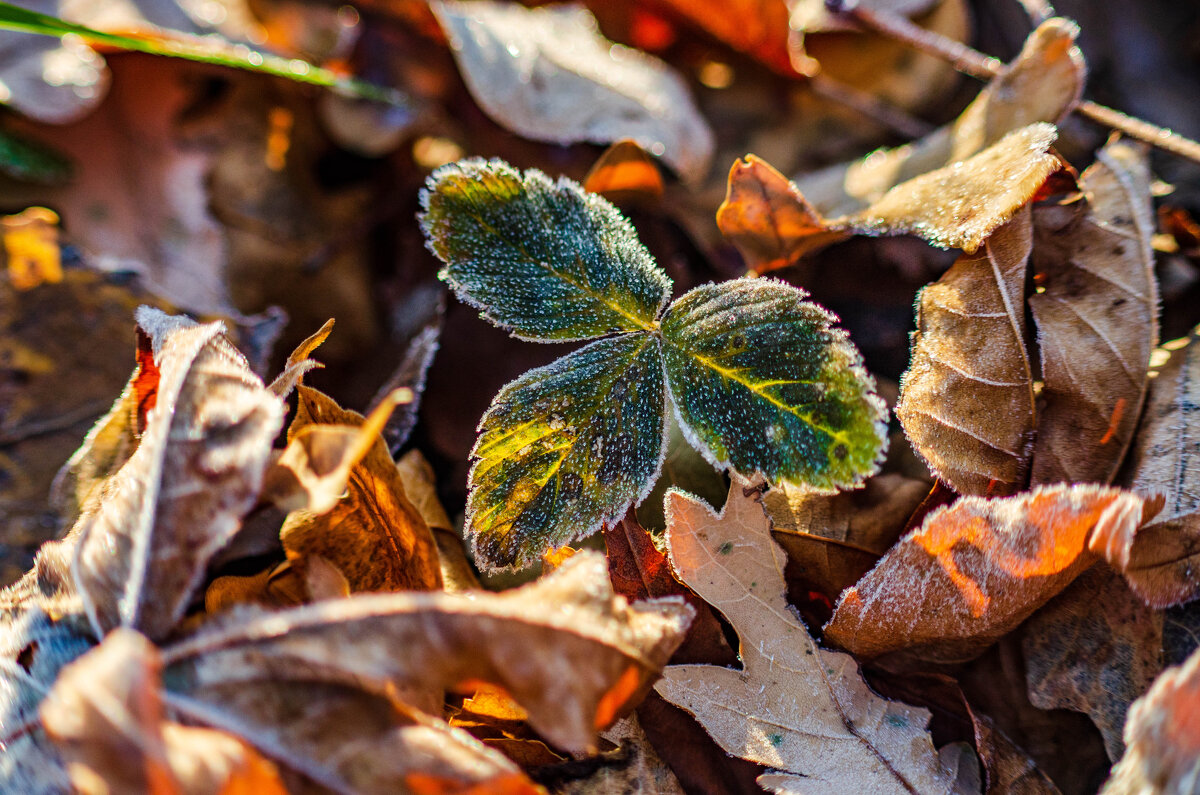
566,447
543,259
762,382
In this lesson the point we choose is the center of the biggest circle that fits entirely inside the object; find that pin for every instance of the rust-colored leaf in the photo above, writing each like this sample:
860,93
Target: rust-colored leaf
758,28
625,172
794,706
765,216
1094,649
975,570
182,494
373,535
1097,315
1162,737
966,400
595,654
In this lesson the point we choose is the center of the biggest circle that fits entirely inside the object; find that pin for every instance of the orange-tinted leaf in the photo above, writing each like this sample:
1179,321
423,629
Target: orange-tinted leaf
974,571
767,218
1162,737
625,171
966,401
298,363
421,489
758,28
1094,649
373,535
31,248
1097,315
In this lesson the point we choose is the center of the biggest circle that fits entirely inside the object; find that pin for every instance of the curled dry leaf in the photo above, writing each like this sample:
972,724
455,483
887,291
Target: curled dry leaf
1160,562
548,74
105,714
625,172
966,400
1093,649
1097,315
209,424
373,534
1042,85
596,654
794,706
298,362
975,570
1162,737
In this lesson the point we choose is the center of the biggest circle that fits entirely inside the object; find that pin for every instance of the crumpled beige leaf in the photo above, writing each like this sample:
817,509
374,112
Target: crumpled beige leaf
1162,737
105,714
373,534
966,400
1042,85
595,654
976,569
1096,309
794,706
1161,561
181,495
548,74
1094,649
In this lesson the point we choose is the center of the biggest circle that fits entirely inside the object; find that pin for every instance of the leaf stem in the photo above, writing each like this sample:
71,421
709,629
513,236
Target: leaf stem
984,67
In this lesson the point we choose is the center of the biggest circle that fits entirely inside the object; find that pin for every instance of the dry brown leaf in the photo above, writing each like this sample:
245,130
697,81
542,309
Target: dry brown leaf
1042,85
966,400
596,655
1162,737
421,488
182,494
871,517
767,218
298,363
625,172
635,768
548,74
374,535
348,741
1097,315
1009,768
105,714
288,584
1161,561
794,706
1094,649
975,570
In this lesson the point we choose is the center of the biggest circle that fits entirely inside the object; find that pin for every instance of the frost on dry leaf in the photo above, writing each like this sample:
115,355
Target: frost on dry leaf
975,570
794,707
966,400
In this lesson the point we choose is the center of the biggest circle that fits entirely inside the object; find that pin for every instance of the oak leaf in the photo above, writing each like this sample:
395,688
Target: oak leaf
966,400
1096,309
548,74
975,570
373,535
794,706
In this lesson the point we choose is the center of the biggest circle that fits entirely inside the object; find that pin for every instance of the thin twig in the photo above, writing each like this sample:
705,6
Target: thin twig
891,117
985,67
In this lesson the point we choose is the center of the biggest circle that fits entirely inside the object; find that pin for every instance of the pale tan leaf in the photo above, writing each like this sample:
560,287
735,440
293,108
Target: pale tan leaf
1042,85
298,362
548,74
1094,649
105,714
209,424
966,400
975,570
1162,737
373,534
595,653
421,488
794,706
1097,315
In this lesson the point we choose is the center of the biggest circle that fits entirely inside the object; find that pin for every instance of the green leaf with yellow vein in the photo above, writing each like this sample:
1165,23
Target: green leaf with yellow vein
546,260
763,382
566,447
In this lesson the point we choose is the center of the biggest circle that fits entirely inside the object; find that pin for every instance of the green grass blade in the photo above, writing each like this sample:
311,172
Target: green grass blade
204,49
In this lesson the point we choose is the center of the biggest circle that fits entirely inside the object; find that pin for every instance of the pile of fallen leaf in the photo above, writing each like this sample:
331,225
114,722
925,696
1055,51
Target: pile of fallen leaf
236,583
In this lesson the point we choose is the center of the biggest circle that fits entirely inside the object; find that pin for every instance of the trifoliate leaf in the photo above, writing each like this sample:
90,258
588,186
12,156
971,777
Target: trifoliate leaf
566,447
762,382
544,259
